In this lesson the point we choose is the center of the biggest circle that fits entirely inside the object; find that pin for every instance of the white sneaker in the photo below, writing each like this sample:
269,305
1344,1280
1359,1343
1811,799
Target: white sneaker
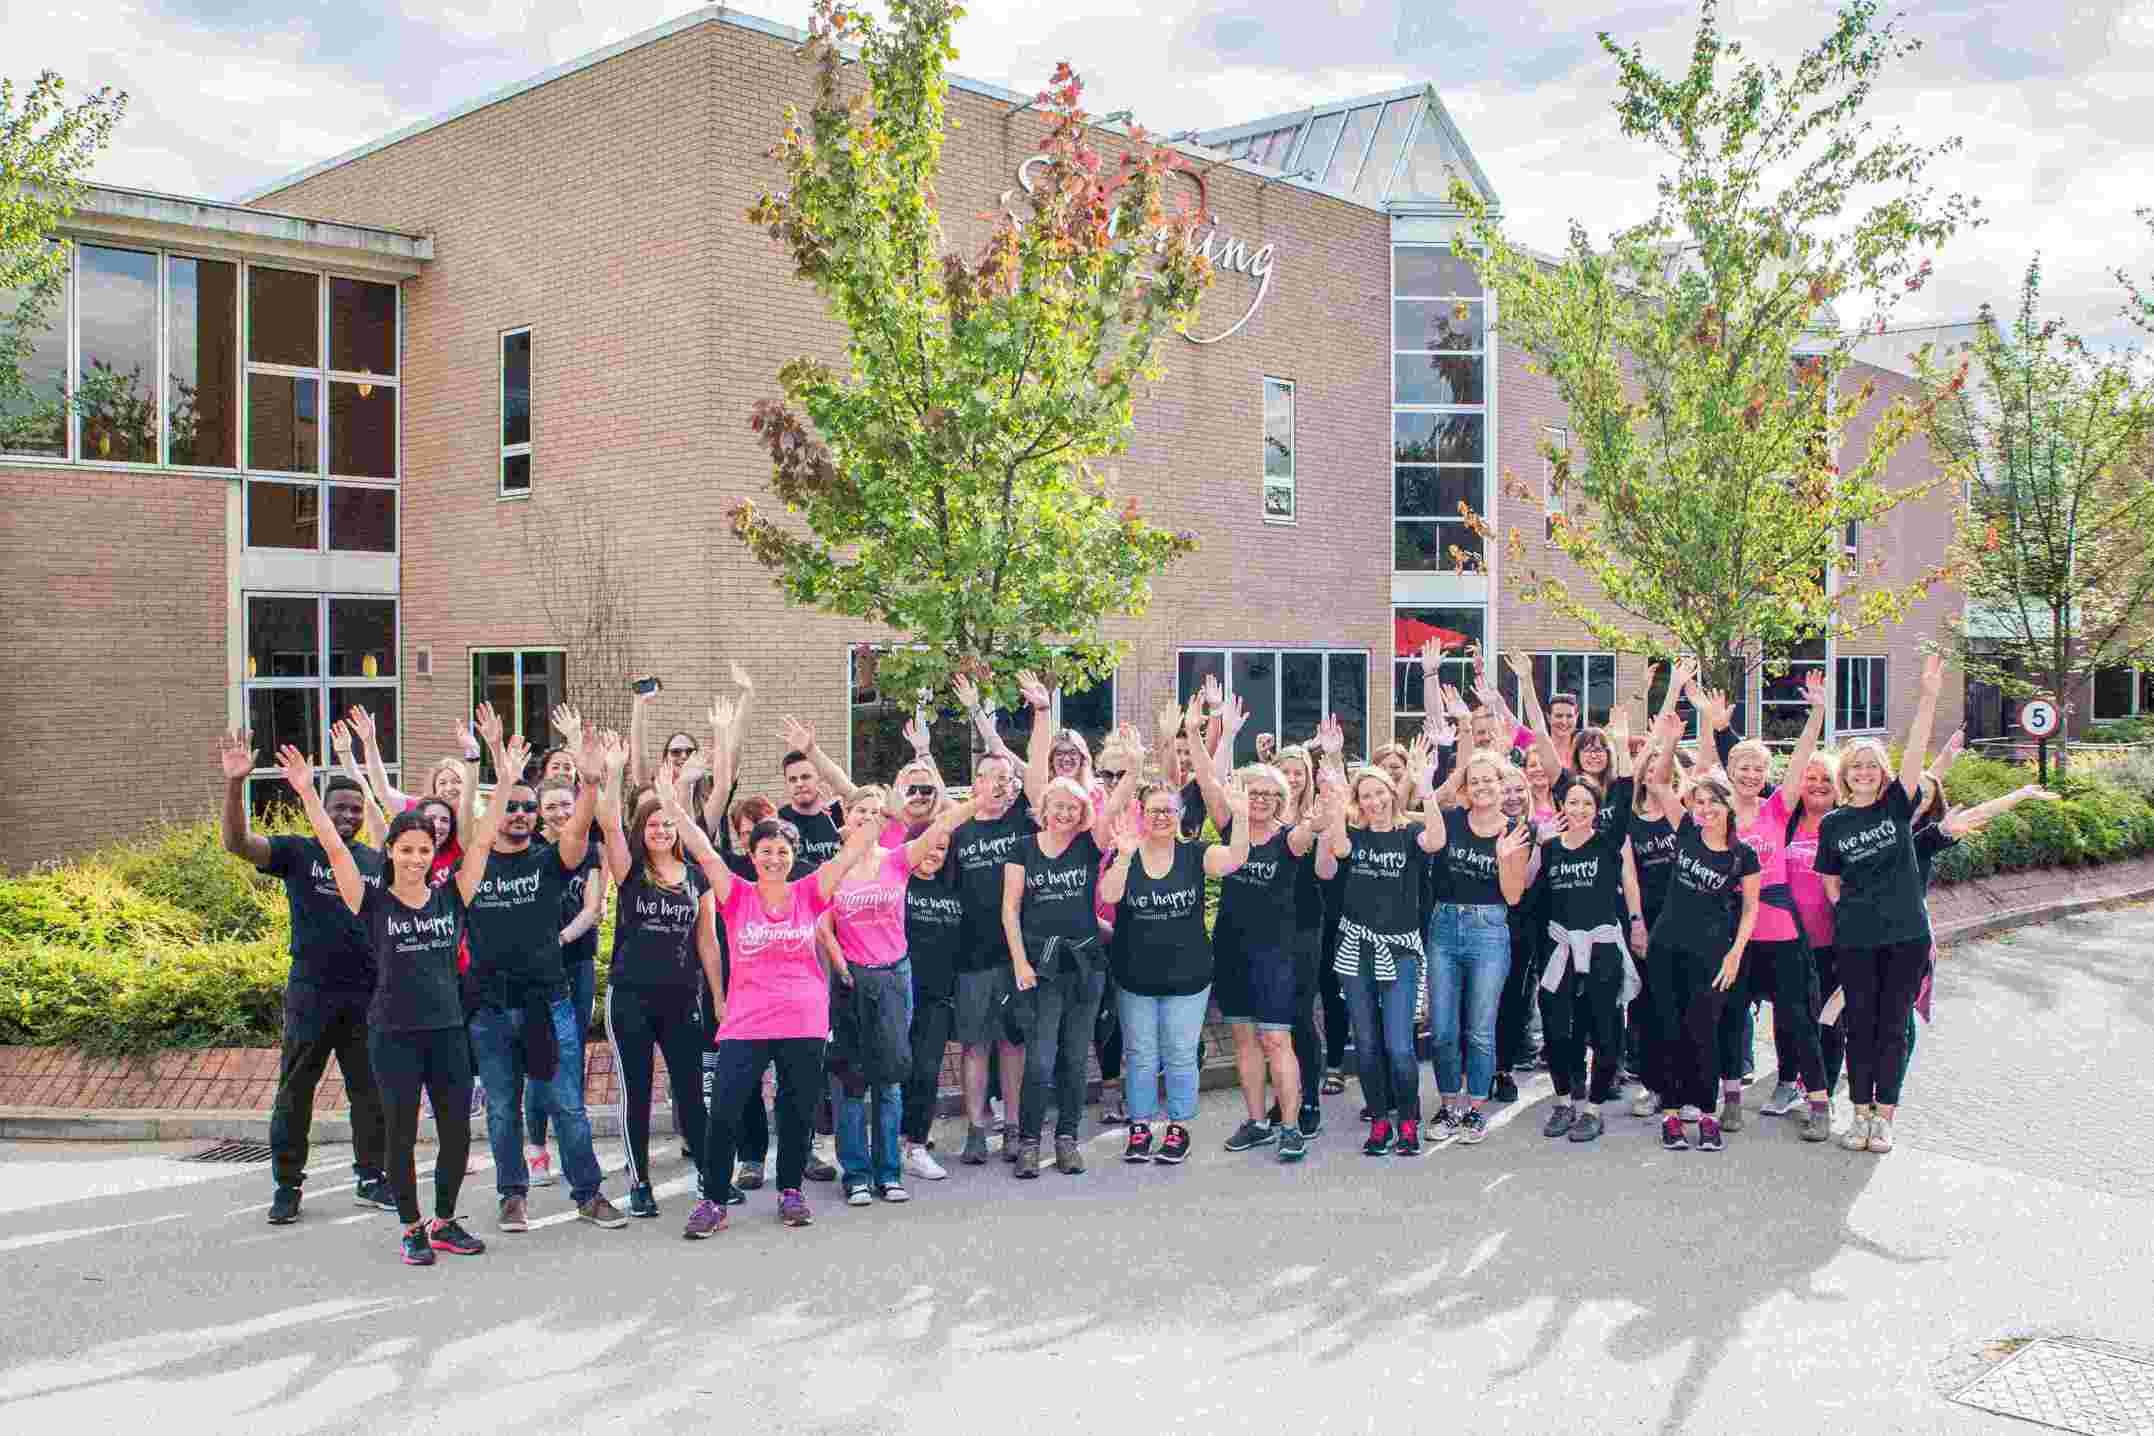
921,1163
541,1167
896,1193
1642,1102
1785,1099
1857,1136
1880,1134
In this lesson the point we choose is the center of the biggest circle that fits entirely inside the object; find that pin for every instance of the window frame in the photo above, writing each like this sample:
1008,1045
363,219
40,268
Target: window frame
1878,693
1559,436
321,681
948,718
1587,659
1278,654
501,417
1795,665
1267,481
513,722
1484,354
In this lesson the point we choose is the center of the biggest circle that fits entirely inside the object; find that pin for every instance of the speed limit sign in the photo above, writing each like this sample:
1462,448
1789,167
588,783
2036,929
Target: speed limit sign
2038,718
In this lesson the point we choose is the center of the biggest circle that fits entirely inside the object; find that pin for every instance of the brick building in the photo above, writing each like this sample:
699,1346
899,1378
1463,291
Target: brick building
452,344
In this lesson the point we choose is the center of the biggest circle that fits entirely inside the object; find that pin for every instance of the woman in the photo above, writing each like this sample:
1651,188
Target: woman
1480,863
934,932
439,816
415,1022
1540,789
665,943
1310,1054
1695,951
1588,974
866,927
1652,846
1163,962
1379,955
583,906
1881,919
777,1006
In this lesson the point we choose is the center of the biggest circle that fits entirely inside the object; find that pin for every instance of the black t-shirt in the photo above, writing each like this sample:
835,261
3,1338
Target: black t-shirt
820,837
1583,886
585,948
1705,893
515,920
1465,866
1160,949
978,850
934,926
1872,851
1930,840
416,987
654,932
1193,810
1058,890
1652,849
1260,901
330,948
1615,797
1383,879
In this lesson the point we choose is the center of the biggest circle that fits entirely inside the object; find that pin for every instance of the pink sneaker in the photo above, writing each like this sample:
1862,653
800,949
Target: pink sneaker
540,1163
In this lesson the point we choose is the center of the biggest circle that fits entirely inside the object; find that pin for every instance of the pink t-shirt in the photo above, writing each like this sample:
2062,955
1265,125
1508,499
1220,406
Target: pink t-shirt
779,988
869,913
1807,888
1766,835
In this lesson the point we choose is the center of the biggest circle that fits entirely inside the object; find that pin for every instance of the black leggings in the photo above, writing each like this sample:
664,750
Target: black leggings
440,1063
1831,1041
932,1019
1686,1009
1308,1046
1586,1007
1515,1004
1881,983
640,1020
1783,973
738,1083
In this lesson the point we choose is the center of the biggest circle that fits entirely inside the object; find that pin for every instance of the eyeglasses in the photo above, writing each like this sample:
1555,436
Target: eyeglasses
919,790
680,752
515,806
1110,776
1261,797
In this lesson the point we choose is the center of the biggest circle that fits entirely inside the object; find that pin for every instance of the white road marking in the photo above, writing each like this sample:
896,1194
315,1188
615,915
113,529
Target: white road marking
41,1239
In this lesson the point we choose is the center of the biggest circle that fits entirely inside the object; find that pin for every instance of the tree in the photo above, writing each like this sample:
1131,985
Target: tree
1702,360
946,472
588,595
46,145
2055,545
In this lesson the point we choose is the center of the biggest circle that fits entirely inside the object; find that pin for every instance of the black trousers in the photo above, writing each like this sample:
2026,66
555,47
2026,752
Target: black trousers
1337,1025
1058,1013
1781,971
1309,1050
438,1063
640,1021
1831,1041
738,1085
932,1020
1516,1003
1687,1010
1881,983
320,1024
1585,1008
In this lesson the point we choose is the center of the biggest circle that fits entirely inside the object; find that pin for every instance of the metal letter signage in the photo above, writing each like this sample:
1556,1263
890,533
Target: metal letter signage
1226,253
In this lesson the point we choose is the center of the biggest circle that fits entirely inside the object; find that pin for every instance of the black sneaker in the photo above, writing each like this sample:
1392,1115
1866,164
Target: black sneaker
1252,1134
1505,1090
1587,1127
375,1192
1368,1114
1174,1150
818,1170
641,1203
1379,1143
418,1251
1559,1121
1312,1120
1444,1125
734,1196
1292,1145
284,1207
1473,1127
448,1235
1140,1143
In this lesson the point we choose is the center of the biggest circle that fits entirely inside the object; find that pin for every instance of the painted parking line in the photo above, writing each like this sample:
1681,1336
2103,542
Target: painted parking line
40,1239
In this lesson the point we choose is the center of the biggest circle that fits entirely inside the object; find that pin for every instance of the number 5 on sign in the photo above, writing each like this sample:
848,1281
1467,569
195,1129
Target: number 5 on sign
2038,718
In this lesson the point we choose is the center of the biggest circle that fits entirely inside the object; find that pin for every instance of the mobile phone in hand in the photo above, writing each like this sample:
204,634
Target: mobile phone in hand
644,687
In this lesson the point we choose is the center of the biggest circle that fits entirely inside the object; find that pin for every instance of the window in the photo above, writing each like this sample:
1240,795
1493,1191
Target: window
1588,677
524,685
116,340
1439,408
310,658
515,413
1289,691
34,422
1278,451
1782,709
1559,440
876,719
202,362
1657,691
2118,693
1859,696
1411,628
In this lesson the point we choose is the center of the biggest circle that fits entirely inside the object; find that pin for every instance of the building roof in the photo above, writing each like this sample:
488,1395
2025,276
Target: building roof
148,216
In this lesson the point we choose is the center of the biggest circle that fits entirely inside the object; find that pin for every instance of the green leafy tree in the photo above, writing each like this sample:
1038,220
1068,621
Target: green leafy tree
2055,545
1702,360
46,146
946,471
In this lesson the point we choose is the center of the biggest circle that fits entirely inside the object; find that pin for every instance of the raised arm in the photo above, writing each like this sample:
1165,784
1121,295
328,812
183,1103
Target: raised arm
725,749
739,734
947,820
297,772
1223,858
235,758
859,842
376,774
695,843
1529,701
1949,754
1432,827
1719,716
1038,752
1619,763
1337,845
472,870
639,769
374,825
1667,729
983,718
1514,855
1917,750
1816,692
1965,822
1128,835
612,834
800,737
1207,769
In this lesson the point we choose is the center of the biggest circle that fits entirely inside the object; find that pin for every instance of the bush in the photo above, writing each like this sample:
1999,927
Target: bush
89,905
1975,779
186,865
2133,772
158,995
2121,730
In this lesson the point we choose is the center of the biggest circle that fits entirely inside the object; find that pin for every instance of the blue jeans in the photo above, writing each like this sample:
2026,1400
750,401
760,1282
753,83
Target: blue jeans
855,1161
1156,1029
582,983
497,1040
1383,1018
1469,955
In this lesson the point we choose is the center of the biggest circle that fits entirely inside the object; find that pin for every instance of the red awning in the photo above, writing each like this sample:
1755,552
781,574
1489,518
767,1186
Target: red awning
1408,634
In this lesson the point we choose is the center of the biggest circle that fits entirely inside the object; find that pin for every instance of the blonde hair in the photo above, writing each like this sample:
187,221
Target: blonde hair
1299,753
872,792
917,765
1364,773
1858,747
1821,758
443,765
1068,788
1485,760
1752,747
1269,773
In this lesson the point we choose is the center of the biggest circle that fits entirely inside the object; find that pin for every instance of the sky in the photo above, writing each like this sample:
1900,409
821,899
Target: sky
2051,98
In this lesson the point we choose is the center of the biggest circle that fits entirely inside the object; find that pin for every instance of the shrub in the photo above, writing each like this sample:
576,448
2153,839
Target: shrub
186,865
2133,772
160,994
88,905
1974,779
2121,730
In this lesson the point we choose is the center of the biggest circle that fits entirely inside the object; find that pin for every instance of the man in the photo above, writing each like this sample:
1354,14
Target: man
525,1022
809,805
325,998
979,849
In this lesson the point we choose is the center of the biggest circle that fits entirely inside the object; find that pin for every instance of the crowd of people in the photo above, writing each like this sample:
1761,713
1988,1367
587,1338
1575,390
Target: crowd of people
1504,891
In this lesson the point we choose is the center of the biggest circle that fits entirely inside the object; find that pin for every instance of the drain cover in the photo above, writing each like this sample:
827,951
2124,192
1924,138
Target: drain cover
2070,1387
233,1152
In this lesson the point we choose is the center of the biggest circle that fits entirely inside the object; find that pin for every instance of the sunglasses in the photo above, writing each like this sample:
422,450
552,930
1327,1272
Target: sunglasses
517,806
680,752
1110,776
920,790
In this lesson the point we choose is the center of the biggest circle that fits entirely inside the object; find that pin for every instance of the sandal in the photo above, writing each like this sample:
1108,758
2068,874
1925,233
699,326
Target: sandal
1334,1083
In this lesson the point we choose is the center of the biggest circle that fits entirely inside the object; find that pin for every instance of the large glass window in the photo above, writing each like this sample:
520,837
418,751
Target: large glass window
310,658
361,520
875,731
1782,710
1353,144
1288,691
34,324
1410,629
524,685
1384,153
284,423
1858,698
1439,447
1279,450
516,412
202,362
1588,677
1657,690
284,317
116,384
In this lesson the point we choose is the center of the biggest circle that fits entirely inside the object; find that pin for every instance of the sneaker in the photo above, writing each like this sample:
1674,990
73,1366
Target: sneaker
1525,1064
1559,1121
1139,1146
1731,1112
1379,1143
418,1251
1027,1159
641,1203
1857,1136
284,1206
1312,1120
857,1194
1709,1135
1252,1133
601,1213
893,1192
919,1162
1672,1136
1292,1145
734,1196
447,1234
1817,1124
374,1192
793,1209
818,1170
707,1220
1368,1114
1505,1090
1174,1148
1786,1098
512,1217
1409,1142
975,1153
1069,1159
540,1164
1586,1127
1880,1135
1642,1102
748,1176
1012,1145
1473,1127
1445,1125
